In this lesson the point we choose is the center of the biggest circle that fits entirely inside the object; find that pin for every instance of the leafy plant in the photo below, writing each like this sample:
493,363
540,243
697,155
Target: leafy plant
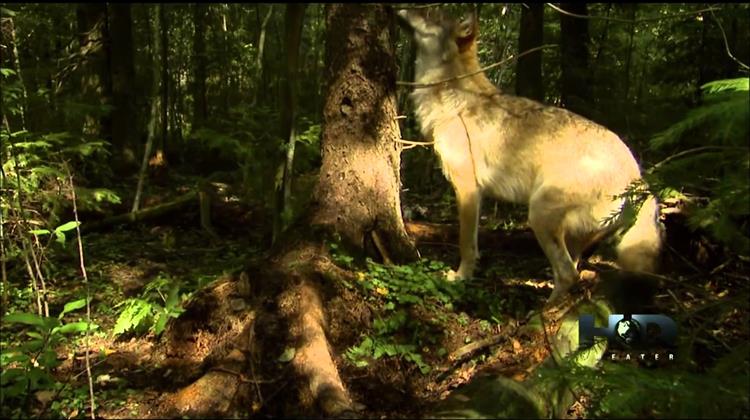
27,367
59,231
399,291
152,310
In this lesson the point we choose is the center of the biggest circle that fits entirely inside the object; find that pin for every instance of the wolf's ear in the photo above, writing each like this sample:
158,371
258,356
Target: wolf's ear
467,31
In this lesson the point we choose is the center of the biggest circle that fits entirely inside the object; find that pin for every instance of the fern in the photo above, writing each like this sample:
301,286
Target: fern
725,114
718,169
628,391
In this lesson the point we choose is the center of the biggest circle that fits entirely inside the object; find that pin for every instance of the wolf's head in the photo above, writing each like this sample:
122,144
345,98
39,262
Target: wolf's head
439,37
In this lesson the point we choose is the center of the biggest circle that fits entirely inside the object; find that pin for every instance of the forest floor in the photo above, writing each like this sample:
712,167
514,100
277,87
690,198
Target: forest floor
427,359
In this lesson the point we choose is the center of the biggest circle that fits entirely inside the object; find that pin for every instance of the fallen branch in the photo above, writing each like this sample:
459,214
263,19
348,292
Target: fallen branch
462,352
631,21
191,198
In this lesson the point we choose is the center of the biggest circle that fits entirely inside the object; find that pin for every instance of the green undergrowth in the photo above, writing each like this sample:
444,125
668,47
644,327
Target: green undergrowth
414,307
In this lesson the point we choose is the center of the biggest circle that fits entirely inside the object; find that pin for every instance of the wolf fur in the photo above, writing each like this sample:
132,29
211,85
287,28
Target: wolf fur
567,169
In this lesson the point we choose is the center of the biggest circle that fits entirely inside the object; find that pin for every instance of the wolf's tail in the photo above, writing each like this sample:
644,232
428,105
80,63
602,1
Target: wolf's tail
640,246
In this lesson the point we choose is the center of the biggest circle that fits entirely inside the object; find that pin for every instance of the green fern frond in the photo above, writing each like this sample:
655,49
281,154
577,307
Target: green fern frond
741,84
725,116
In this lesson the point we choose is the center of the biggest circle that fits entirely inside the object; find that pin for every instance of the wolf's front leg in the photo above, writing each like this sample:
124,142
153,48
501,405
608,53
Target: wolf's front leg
469,202
546,220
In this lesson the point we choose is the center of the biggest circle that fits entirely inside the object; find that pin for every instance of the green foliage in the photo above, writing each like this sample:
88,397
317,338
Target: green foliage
626,391
717,171
160,301
398,290
35,163
59,231
417,304
27,365
339,257
722,119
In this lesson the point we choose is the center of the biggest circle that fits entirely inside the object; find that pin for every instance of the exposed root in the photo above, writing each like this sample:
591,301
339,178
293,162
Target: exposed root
223,331
313,362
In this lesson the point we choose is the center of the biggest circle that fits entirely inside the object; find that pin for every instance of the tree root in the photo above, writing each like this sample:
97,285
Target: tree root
229,383
302,305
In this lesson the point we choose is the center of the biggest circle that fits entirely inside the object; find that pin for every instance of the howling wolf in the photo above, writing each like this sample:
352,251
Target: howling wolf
570,171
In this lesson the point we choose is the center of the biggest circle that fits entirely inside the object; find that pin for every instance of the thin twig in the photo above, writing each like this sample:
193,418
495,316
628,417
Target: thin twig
62,388
685,260
88,294
420,6
416,85
251,344
631,21
692,151
28,247
726,43
415,143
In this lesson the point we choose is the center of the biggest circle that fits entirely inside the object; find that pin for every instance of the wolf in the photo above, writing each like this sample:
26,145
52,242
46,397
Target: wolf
569,171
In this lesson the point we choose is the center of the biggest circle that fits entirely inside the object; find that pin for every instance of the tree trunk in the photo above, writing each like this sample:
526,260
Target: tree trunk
629,57
574,43
153,121
124,135
360,130
355,202
261,83
295,13
96,86
529,67
162,146
200,107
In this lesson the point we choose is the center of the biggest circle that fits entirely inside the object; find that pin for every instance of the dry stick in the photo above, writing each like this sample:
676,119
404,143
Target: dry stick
483,69
251,342
694,150
421,6
463,351
62,388
415,143
39,275
726,43
632,21
27,247
88,294
2,245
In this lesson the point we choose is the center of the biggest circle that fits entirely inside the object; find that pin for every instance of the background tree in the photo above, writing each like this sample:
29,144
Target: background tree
529,67
200,60
293,31
96,85
575,91
124,131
